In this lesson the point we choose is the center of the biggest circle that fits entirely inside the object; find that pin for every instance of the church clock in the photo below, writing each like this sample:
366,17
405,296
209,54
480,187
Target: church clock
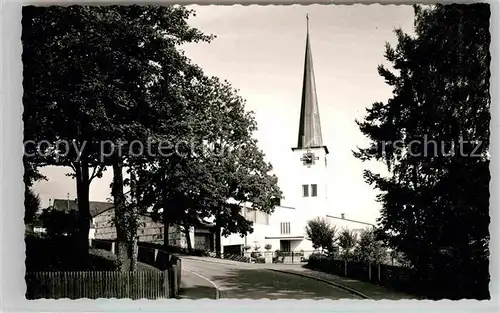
308,158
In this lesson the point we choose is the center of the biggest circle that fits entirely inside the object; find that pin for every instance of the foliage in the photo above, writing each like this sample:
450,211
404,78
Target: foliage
268,247
314,257
399,259
347,240
255,254
61,254
115,74
247,247
31,205
60,223
321,233
224,170
109,74
436,196
368,249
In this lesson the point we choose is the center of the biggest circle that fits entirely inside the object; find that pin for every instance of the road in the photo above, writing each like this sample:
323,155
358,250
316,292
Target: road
250,281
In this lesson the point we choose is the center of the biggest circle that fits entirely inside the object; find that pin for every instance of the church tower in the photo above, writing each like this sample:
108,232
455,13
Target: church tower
310,153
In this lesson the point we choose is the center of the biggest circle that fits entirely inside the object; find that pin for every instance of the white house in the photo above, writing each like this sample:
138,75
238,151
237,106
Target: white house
307,199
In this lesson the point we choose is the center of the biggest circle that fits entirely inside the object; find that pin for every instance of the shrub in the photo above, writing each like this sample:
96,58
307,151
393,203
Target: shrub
268,247
321,233
255,254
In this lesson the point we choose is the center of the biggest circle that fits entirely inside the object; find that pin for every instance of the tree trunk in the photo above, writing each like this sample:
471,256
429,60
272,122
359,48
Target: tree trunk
82,191
166,226
218,243
133,255
166,221
134,196
188,238
122,246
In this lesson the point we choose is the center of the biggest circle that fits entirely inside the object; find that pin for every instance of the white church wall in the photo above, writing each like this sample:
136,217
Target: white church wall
344,223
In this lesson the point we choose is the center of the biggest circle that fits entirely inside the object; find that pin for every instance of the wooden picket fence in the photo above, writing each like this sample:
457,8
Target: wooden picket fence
93,285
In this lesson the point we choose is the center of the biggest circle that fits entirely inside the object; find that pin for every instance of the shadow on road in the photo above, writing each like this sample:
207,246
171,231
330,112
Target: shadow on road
262,283
194,292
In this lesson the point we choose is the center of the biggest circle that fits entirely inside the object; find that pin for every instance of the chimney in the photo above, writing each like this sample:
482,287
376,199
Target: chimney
342,216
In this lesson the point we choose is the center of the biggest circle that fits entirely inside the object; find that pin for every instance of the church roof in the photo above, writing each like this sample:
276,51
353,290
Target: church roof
309,126
96,207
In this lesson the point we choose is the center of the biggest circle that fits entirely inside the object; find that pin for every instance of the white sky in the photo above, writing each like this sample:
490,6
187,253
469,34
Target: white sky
260,50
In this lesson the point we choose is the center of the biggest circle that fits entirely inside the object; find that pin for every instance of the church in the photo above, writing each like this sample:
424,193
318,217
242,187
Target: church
284,229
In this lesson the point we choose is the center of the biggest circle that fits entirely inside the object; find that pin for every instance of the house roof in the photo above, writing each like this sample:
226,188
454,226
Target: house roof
96,207
349,220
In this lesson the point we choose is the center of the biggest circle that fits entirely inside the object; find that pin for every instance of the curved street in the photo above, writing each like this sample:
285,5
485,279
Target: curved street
237,280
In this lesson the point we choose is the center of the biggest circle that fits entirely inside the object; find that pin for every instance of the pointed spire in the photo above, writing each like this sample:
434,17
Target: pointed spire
309,126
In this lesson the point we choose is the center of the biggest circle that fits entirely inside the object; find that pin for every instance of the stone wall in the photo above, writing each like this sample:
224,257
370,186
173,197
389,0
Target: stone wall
149,231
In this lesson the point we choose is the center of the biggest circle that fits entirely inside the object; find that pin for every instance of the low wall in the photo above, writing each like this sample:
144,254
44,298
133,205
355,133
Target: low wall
396,278
153,255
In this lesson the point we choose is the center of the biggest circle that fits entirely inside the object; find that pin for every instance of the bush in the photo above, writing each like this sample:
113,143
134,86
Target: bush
268,247
62,254
255,255
321,233
60,223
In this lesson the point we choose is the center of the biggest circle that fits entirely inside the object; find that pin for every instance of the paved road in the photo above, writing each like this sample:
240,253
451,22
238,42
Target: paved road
195,287
241,280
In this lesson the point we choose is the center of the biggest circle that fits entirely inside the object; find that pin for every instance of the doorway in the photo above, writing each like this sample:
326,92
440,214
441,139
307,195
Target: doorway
285,245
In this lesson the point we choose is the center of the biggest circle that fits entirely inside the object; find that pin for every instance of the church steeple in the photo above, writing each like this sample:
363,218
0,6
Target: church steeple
309,126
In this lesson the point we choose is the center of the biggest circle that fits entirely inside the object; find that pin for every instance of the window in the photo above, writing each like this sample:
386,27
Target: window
314,190
285,228
276,201
305,190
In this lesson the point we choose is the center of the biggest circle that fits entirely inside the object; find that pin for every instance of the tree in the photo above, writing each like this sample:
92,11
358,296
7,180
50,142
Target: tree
347,240
59,99
321,233
59,223
221,169
103,74
433,136
368,249
31,205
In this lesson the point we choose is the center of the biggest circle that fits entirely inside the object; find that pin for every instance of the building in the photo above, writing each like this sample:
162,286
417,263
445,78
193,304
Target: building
69,206
284,229
342,222
149,230
102,226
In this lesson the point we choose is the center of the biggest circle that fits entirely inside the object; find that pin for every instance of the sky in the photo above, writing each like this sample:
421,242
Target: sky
260,51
